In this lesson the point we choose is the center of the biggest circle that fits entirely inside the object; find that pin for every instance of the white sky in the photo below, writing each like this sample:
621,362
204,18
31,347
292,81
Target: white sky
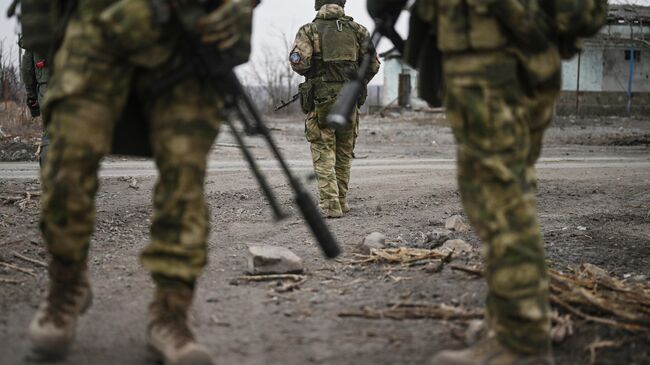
272,19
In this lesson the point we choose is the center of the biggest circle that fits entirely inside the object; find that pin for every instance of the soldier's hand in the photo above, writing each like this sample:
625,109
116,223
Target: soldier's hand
229,24
381,9
34,107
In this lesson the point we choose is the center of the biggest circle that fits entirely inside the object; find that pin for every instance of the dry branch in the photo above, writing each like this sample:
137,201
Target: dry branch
261,278
30,260
17,268
402,255
416,310
9,281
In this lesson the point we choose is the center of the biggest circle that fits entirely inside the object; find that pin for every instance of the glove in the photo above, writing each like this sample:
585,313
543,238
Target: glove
229,24
382,9
34,107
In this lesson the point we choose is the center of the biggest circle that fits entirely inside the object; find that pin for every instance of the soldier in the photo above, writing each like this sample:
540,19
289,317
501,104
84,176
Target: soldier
34,72
328,52
502,71
113,49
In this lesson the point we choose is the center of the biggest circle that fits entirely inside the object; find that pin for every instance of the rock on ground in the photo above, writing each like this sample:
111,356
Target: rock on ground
456,223
459,247
375,240
265,259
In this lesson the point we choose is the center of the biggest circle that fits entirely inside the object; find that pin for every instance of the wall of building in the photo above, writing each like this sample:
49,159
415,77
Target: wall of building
393,67
617,69
591,70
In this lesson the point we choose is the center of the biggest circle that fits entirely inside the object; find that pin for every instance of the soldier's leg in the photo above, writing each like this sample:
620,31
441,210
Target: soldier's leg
541,111
345,141
184,123
85,95
493,147
323,152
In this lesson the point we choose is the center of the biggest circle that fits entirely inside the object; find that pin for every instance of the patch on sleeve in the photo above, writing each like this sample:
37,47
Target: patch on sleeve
295,58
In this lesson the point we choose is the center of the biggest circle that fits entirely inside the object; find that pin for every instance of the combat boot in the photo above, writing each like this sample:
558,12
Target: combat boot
331,208
54,325
168,332
490,352
344,205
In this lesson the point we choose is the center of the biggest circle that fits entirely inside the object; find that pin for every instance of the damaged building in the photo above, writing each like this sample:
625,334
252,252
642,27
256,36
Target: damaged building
611,76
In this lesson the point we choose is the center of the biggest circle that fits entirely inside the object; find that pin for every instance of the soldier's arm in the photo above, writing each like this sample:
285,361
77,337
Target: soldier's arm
302,51
27,72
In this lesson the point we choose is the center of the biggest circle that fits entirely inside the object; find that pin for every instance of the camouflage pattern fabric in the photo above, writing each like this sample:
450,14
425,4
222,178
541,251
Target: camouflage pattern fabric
34,70
327,62
95,69
35,74
499,99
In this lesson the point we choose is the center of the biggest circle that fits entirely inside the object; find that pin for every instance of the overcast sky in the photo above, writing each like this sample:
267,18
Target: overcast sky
273,19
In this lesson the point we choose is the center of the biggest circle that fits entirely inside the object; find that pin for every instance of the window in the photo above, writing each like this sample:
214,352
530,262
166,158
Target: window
637,55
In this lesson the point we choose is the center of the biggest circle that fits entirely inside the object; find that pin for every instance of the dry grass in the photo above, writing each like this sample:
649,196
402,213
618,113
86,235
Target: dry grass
15,121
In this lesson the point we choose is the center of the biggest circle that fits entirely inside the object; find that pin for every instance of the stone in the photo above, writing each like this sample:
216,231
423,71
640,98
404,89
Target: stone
266,259
437,237
375,240
459,247
456,223
433,267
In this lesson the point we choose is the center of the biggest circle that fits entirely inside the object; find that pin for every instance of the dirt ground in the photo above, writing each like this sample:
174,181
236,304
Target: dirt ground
594,204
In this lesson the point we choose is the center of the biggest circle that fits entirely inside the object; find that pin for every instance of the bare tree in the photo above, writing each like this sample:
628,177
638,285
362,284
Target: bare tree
271,78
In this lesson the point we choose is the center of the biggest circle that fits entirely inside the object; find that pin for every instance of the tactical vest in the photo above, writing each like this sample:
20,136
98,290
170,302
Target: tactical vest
468,25
337,59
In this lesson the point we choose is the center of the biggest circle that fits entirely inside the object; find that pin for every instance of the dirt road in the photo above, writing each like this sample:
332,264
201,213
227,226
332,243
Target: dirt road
594,206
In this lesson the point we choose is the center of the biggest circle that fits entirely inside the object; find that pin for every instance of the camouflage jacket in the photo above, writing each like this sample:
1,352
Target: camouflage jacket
35,74
305,56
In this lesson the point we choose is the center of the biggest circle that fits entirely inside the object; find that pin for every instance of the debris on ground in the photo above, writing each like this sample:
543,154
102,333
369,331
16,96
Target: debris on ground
458,247
403,255
599,344
590,293
373,241
416,310
19,199
272,277
266,259
456,223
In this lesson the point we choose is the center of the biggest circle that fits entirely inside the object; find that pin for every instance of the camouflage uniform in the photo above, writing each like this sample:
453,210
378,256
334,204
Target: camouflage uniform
35,74
110,51
499,99
499,95
328,52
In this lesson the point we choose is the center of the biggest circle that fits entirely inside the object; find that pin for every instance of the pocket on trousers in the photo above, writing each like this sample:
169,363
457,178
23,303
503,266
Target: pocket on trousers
312,130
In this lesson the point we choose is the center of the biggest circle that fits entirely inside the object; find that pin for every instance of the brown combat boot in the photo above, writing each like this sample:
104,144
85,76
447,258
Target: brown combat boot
168,333
54,325
344,205
489,352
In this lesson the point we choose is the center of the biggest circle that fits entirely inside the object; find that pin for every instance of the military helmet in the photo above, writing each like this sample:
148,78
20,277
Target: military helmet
319,3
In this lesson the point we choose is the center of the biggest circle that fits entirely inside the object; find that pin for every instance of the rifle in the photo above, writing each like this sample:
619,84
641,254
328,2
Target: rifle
210,65
284,104
339,116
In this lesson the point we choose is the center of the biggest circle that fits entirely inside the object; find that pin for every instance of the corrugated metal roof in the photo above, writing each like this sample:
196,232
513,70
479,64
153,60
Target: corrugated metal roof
628,13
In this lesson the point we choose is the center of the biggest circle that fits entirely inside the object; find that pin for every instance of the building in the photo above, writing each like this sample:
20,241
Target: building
400,82
611,76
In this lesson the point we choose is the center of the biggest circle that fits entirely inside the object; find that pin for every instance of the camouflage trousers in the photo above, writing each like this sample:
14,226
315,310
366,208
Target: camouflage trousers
87,94
499,134
332,152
